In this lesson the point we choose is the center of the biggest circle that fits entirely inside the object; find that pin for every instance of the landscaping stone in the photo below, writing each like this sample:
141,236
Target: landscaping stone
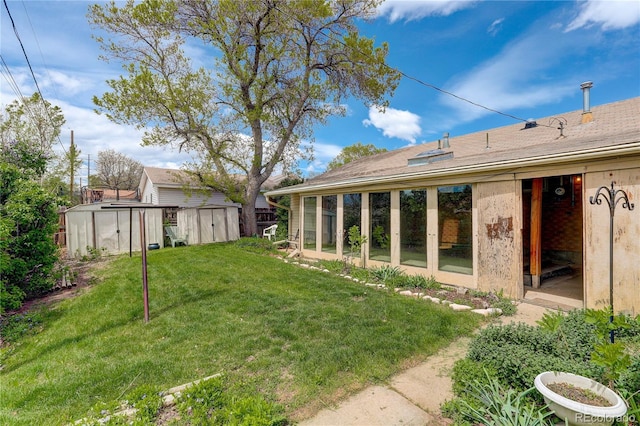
488,311
432,299
458,307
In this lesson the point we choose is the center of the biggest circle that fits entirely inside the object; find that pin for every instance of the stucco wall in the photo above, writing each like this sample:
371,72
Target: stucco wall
626,244
499,238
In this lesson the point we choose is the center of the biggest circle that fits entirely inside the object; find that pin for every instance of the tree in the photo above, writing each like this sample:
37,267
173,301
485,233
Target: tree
28,129
117,171
353,152
276,69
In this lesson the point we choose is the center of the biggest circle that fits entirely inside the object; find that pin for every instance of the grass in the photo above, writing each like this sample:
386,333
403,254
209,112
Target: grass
301,338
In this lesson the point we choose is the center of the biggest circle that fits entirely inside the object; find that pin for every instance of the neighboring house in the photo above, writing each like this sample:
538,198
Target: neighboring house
99,195
165,186
498,210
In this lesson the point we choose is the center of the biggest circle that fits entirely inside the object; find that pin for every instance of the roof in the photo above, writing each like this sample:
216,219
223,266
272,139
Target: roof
174,178
614,131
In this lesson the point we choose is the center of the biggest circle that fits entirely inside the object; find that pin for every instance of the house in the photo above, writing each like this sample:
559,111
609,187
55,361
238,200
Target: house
506,210
166,186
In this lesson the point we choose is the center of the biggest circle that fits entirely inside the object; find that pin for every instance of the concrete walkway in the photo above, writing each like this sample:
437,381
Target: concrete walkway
413,397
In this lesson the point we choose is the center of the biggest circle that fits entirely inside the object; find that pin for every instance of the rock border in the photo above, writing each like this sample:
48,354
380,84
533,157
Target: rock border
455,306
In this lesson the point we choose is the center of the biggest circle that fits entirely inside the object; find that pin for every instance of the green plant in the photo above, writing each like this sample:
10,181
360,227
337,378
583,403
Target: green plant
609,355
256,245
251,411
504,304
504,406
385,273
147,401
14,327
380,237
198,402
519,352
92,254
335,266
551,321
632,399
356,240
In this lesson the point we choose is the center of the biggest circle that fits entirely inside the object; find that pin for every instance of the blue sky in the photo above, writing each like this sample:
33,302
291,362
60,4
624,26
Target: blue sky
524,59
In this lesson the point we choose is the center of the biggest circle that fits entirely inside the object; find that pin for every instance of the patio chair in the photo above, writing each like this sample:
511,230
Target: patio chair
269,232
294,242
174,236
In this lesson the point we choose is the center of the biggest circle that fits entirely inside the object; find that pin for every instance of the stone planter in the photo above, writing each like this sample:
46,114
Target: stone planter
577,413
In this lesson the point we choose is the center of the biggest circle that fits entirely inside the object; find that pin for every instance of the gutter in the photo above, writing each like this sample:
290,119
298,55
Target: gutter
633,148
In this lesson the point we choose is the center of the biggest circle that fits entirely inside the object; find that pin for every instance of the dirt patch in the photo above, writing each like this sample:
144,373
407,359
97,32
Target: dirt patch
581,395
81,277
459,296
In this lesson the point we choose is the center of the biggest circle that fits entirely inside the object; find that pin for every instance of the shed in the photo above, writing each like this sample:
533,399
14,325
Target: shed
112,228
209,223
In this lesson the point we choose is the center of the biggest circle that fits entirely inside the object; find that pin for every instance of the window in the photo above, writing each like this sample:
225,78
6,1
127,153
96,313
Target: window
329,223
413,227
309,234
380,219
455,251
351,216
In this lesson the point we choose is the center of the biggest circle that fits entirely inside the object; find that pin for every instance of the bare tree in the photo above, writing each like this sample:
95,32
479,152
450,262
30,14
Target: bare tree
115,170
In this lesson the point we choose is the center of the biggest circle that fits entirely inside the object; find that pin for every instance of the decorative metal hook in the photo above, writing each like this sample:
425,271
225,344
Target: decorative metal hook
612,197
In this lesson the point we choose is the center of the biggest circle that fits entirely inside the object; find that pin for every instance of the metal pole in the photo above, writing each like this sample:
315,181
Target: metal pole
145,286
609,195
612,210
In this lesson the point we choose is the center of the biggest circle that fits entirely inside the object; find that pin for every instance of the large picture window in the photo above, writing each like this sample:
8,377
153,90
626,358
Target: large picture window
329,222
351,216
309,234
455,250
413,227
380,232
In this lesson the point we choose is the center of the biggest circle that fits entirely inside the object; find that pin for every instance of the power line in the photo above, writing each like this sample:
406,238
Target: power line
9,77
429,85
35,36
46,109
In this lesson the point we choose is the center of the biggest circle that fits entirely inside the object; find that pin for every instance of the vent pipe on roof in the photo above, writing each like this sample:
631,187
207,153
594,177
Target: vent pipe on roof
587,116
445,138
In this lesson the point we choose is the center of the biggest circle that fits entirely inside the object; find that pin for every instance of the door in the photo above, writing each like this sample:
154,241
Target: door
213,225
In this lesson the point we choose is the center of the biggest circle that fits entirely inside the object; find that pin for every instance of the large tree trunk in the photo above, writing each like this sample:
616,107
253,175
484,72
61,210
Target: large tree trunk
249,219
249,209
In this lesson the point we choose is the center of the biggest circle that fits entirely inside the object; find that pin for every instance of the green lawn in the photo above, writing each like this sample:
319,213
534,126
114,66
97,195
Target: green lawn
299,337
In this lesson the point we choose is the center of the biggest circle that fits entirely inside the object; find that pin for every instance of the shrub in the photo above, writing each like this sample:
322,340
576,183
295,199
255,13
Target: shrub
28,220
519,352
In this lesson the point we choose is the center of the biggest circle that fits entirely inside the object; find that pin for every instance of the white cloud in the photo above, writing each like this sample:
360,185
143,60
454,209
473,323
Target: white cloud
395,123
495,26
611,15
94,133
325,151
417,9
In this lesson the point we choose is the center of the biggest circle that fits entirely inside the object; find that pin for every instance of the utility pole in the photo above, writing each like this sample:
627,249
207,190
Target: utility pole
72,151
